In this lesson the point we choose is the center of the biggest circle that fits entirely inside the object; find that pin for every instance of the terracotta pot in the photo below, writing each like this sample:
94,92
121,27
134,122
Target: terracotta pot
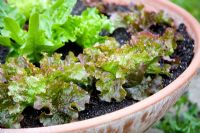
140,116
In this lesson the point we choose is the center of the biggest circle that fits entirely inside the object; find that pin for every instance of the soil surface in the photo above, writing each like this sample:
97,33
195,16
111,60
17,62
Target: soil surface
3,53
121,35
79,7
183,52
97,107
70,46
31,118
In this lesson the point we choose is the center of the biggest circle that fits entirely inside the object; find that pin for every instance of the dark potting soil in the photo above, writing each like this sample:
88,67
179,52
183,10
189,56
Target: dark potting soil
70,46
121,35
31,118
79,7
158,29
97,107
3,53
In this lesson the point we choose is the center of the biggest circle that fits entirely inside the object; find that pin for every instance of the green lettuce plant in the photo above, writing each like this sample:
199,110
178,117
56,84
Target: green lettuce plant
51,29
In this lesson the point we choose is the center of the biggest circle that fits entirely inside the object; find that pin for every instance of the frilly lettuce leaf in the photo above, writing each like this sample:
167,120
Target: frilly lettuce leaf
84,29
27,6
52,86
110,87
117,71
88,31
114,67
10,112
68,70
64,100
147,87
139,19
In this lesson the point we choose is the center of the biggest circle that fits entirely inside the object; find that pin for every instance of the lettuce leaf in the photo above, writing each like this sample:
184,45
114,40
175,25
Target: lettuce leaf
88,31
31,43
138,19
52,86
84,29
114,67
147,87
64,100
9,11
27,6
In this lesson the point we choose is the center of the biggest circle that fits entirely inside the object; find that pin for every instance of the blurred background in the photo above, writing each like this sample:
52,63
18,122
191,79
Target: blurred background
193,6
184,116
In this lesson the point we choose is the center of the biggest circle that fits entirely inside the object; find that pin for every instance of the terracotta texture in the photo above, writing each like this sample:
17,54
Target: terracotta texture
138,117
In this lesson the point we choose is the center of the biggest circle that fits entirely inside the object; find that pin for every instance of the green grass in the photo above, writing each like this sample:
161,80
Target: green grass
193,6
183,118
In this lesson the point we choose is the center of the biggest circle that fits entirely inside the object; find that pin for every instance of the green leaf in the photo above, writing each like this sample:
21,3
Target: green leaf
89,30
56,119
10,119
5,41
26,7
61,10
156,68
14,30
10,112
25,89
34,38
36,41
84,29
110,87
68,99
68,70
9,11
147,87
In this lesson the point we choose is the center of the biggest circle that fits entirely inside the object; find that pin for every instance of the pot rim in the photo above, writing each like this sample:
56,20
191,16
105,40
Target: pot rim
137,107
